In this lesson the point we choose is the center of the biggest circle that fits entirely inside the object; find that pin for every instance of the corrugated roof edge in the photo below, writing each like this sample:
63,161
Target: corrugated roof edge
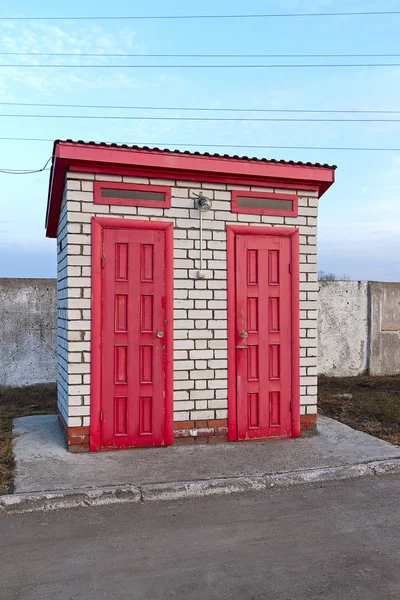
188,152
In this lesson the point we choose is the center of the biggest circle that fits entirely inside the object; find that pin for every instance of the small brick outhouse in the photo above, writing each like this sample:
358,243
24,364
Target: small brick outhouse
187,295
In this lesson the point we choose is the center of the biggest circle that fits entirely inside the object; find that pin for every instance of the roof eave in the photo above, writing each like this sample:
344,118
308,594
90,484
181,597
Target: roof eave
81,156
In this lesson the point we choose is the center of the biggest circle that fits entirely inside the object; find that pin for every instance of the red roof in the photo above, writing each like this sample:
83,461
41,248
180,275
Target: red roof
136,160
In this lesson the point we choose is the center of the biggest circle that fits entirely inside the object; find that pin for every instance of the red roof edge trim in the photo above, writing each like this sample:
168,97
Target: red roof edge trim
94,158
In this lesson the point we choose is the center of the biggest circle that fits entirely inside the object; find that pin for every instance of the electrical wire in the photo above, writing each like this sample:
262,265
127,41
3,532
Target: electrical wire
172,17
109,55
25,171
186,108
191,145
244,66
236,119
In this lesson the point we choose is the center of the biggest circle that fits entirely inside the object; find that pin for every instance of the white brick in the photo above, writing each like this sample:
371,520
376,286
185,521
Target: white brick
75,260
200,314
184,344
181,375
181,416
312,381
217,324
181,365
221,414
183,385
80,197
124,210
74,421
201,354
179,192
188,184
183,406
221,403
202,394
156,212
221,374
218,364
308,249
107,177
201,405
308,211
78,411
130,179
73,185
201,415
182,395
202,374
75,175
312,391
249,218
79,390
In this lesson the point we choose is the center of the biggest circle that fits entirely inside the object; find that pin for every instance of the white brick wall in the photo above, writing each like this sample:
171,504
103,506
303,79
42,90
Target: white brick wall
62,322
200,326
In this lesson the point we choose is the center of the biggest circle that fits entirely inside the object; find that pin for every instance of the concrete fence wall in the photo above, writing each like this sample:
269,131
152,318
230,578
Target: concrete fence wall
358,329
27,331
343,328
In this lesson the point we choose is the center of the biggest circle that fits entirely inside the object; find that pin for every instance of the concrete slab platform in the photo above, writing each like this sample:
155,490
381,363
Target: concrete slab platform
43,463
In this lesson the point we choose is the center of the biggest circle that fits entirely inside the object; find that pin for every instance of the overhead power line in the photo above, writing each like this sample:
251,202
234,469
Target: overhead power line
25,171
243,66
120,55
172,17
191,145
258,120
187,108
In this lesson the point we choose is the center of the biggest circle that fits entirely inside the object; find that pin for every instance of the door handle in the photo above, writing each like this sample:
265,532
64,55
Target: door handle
160,333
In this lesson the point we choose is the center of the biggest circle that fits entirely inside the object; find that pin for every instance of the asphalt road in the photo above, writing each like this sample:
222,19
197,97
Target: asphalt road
336,541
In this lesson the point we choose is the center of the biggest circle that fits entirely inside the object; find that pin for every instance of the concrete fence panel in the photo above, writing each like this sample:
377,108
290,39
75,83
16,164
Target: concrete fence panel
28,333
358,329
343,328
385,328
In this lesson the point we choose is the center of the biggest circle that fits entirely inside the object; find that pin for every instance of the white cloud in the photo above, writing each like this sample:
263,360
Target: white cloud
80,39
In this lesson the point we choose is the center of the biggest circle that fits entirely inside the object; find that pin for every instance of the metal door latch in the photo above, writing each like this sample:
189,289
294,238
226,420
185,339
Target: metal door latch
160,333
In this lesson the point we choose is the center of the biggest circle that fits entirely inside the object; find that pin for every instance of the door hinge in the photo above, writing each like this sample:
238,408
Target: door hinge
290,267
101,416
102,262
290,406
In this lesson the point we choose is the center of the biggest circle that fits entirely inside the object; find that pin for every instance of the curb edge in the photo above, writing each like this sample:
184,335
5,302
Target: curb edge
54,500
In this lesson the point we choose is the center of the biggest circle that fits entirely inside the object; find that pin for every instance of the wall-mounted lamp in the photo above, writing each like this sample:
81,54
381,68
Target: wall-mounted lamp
202,204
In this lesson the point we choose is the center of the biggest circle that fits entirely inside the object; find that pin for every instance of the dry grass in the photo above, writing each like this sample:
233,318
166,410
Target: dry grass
20,402
374,405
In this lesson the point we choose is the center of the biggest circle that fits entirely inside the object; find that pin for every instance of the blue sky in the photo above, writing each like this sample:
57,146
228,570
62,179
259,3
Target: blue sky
359,226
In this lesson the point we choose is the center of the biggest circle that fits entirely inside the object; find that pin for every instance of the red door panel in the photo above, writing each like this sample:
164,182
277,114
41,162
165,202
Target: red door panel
263,336
132,360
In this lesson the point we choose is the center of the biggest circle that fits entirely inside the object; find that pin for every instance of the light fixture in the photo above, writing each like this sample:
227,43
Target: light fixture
203,204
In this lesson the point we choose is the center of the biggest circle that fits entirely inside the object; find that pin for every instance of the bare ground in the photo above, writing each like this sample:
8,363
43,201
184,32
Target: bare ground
369,404
20,402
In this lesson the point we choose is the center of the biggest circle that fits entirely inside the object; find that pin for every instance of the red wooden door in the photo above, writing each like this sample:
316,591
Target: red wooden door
263,336
133,338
